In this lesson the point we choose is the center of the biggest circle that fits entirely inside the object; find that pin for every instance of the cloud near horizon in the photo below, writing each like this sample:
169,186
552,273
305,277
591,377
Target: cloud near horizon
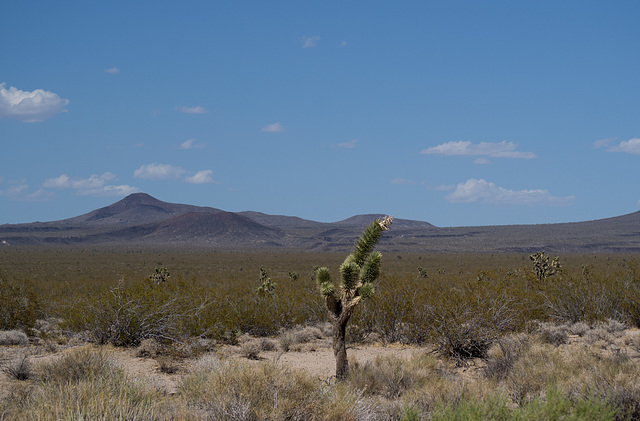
191,144
482,191
30,106
276,127
348,145
192,110
502,149
19,191
95,185
309,42
631,146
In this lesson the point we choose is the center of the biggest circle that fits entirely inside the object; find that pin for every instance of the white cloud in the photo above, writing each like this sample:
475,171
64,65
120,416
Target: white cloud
192,110
191,144
631,146
276,127
348,145
201,177
95,185
482,191
502,149
158,172
34,106
112,70
309,42
64,181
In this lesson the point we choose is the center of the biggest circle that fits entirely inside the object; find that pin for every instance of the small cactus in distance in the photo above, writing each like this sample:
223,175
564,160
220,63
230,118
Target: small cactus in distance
161,275
266,286
357,274
543,267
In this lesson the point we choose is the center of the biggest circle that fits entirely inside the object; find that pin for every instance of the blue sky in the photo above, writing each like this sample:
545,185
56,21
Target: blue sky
457,113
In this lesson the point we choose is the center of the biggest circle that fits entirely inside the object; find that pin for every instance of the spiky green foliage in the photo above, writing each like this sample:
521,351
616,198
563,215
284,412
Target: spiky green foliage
371,268
327,289
349,271
367,241
367,290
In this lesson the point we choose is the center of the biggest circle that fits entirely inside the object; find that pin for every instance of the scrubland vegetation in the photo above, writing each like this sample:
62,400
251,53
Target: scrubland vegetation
496,336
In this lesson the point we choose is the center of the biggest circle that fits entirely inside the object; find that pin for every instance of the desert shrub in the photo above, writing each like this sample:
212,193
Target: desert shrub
127,314
13,337
19,305
462,329
554,334
587,299
251,349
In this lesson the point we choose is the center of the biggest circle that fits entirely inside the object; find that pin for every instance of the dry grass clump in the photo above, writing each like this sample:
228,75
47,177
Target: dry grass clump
389,376
502,356
83,384
13,337
235,390
19,368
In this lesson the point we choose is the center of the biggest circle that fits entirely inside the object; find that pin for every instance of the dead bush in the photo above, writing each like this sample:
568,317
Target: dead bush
13,337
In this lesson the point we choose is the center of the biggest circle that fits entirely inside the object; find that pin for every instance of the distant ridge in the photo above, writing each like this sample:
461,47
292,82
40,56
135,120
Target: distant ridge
140,220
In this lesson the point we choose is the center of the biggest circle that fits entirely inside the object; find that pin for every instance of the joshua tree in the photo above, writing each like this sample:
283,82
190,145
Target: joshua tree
357,273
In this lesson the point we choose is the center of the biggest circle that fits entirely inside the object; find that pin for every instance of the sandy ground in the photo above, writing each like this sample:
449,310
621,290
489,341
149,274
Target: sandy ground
317,359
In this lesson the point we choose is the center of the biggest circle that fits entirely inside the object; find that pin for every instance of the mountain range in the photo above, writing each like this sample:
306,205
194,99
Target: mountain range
140,220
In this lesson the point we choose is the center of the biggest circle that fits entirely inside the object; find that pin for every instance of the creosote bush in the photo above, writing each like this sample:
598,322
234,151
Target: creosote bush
20,305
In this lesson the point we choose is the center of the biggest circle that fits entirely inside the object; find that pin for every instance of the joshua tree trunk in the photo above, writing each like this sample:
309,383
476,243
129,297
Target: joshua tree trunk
340,348
358,272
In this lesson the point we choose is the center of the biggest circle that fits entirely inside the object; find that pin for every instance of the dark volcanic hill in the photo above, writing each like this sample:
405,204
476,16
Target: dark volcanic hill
138,208
141,220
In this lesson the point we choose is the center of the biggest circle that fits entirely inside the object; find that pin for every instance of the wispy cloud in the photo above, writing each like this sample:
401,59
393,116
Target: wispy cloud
191,144
201,177
276,127
95,185
30,106
309,42
158,172
20,191
631,146
192,110
482,191
348,145
502,149
403,181
112,70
